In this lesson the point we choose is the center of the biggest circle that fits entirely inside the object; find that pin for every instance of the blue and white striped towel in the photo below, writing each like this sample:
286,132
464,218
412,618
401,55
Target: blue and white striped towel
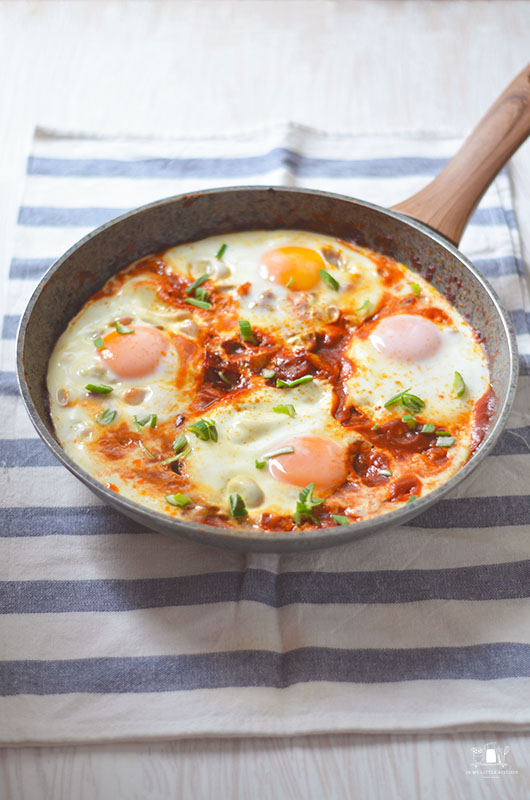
111,632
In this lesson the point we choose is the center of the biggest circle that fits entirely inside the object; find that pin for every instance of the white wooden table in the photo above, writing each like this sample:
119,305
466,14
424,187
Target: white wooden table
155,67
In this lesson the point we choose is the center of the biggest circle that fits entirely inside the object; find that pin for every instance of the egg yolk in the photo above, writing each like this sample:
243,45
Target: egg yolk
133,355
314,460
297,268
406,337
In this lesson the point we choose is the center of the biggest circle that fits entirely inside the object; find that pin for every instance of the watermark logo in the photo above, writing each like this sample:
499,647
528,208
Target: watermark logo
490,760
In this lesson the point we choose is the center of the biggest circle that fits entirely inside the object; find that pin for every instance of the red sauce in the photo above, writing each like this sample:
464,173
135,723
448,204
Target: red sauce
482,415
368,462
404,487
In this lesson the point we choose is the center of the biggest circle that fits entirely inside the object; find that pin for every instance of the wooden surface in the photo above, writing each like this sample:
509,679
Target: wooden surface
214,66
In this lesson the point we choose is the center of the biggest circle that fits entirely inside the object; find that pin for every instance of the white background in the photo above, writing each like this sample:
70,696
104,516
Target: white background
208,67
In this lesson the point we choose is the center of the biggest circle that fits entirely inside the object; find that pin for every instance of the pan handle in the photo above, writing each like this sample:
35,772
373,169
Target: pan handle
447,202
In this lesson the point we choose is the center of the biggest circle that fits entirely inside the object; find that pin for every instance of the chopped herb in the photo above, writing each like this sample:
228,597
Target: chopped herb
245,329
329,280
411,421
410,402
385,472
204,429
199,303
220,253
101,389
238,508
260,462
429,428
179,500
340,520
106,417
197,283
224,378
150,418
180,443
366,307
202,294
411,499
297,382
442,432
99,343
287,409
289,282
268,373
416,288
376,426
122,329
149,452
459,387
305,503
183,454
445,441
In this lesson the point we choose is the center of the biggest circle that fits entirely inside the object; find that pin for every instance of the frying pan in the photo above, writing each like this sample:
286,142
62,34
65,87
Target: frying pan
422,232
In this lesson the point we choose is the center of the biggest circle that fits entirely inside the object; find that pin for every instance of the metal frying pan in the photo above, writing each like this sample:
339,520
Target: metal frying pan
427,243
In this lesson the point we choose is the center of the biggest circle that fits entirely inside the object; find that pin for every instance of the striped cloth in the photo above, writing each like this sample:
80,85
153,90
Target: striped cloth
111,632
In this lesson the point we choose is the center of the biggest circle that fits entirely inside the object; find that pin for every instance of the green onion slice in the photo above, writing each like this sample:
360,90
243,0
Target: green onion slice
416,288
375,426
149,419
329,280
428,428
260,462
411,499
445,441
268,373
102,388
365,307
99,343
287,409
183,454
106,417
122,329
180,443
197,283
146,449
199,303
459,387
411,421
220,253
204,429
224,378
297,382
407,400
340,520
306,502
178,499
289,282
238,508
245,330
385,472
202,294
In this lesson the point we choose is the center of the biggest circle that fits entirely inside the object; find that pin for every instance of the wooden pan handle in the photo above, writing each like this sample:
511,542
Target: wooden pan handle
449,200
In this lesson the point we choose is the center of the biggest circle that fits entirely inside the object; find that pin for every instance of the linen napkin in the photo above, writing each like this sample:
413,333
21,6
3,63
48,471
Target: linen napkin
112,632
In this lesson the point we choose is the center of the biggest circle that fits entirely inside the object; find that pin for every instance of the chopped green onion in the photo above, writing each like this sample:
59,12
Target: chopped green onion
429,428
329,280
416,288
340,520
409,401
306,502
204,429
385,472
365,307
199,303
99,343
411,499
289,282
180,443
268,373
445,441
297,382
260,462
150,418
179,500
149,452
245,330
220,253
224,378
183,454
411,421
122,329
459,387
197,283
375,426
202,294
238,508
101,389
442,432
287,409
106,417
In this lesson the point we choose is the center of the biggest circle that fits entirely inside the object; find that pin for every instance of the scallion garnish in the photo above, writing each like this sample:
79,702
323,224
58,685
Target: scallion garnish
122,330
428,428
224,378
199,303
297,382
366,307
375,426
178,499
183,454
306,502
287,409
409,401
442,432
180,443
416,288
99,343
445,441
340,520
146,449
102,388
106,417
411,421
268,373
329,280
245,329
197,283
289,282
202,294
411,499
459,387
260,462
385,472
204,429
220,253
140,423
238,508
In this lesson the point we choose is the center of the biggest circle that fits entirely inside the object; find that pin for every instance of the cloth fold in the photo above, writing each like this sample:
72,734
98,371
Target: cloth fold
112,632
